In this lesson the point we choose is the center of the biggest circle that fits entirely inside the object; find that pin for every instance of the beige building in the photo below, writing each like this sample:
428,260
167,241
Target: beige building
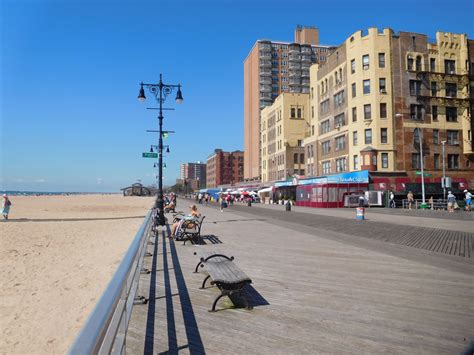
270,69
283,127
379,92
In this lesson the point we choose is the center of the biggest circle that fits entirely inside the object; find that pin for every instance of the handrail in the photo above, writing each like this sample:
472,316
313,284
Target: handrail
100,333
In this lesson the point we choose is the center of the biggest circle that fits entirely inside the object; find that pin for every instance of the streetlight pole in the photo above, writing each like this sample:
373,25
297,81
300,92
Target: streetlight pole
160,91
444,173
423,202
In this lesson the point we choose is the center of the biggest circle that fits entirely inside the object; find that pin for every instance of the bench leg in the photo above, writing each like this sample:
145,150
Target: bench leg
204,282
197,267
215,302
247,304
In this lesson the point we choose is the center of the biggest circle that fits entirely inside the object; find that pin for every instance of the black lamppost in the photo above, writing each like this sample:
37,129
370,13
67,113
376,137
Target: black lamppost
160,91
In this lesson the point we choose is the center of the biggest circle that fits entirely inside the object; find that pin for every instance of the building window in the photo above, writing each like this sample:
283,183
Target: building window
434,113
365,62
324,106
433,64
436,161
451,114
416,112
356,162
354,138
326,147
353,86
368,136
366,86
339,98
299,143
312,130
293,112
341,164
384,160
354,114
302,160
325,127
381,60
340,143
449,66
339,120
418,63
451,90
453,137
415,161
383,135
298,113
326,167
312,93
353,66
435,136
410,63
453,161
434,88
383,110
367,112
416,136
295,158
415,87
382,86
312,111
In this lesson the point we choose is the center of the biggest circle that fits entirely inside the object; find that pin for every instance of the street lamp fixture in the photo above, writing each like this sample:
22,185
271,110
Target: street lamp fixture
160,91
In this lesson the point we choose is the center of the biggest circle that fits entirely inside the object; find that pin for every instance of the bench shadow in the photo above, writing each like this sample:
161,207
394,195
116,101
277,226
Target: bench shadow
254,298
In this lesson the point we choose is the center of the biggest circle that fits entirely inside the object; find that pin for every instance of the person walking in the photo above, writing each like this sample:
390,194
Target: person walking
6,203
223,203
410,199
392,200
468,198
451,202
431,203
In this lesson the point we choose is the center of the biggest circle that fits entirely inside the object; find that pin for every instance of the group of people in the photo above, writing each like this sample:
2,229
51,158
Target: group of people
451,201
192,216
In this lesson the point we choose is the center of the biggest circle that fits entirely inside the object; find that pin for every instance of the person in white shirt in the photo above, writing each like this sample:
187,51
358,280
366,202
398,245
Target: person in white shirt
468,198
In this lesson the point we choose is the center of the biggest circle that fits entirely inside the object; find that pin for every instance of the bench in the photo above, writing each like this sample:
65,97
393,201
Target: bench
190,230
226,275
206,256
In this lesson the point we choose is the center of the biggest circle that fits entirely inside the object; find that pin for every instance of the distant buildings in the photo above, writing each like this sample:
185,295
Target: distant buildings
272,68
194,171
224,168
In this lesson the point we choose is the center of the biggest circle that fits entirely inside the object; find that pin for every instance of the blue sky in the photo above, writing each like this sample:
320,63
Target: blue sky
70,71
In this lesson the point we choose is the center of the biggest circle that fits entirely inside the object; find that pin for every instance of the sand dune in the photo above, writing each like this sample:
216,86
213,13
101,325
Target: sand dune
57,255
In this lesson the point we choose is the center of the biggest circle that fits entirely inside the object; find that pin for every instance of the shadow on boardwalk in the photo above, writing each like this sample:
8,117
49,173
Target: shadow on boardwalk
195,344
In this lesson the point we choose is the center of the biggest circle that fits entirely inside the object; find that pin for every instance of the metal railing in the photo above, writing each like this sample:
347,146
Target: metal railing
438,204
105,329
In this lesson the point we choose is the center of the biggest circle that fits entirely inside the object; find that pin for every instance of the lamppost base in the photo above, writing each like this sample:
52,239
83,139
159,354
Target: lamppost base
424,206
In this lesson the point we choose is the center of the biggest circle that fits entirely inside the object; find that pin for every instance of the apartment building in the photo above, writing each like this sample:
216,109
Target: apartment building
271,68
194,171
224,168
380,93
283,128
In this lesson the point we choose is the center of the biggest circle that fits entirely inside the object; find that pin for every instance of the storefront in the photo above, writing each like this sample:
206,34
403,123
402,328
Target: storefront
329,191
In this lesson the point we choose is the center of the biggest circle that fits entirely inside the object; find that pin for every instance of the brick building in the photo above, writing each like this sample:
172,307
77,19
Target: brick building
224,168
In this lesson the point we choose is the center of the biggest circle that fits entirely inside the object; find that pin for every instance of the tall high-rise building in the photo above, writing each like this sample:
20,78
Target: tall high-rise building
272,68
194,171
224,168
381,94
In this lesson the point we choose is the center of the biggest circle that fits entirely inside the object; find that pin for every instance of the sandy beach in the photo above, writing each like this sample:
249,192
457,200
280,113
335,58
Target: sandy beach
57,255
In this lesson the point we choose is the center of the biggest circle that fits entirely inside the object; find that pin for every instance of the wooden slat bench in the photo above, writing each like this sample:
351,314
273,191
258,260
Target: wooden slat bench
210,256
191,230
226,275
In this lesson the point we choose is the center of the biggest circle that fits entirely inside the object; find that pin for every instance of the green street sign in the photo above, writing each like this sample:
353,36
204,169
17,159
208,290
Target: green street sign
424,174
150,155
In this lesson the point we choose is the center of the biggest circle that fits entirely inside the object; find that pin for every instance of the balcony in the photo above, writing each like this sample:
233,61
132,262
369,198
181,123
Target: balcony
265,71
265,88
265,55
306,58
294,48
295,90
305,90
265,46
295,81
265,80
305,73
306,50
294,57
305,65
265,63
294,66
305,81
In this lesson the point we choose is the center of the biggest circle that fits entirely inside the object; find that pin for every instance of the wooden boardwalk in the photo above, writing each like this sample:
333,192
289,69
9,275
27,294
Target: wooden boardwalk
311,294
